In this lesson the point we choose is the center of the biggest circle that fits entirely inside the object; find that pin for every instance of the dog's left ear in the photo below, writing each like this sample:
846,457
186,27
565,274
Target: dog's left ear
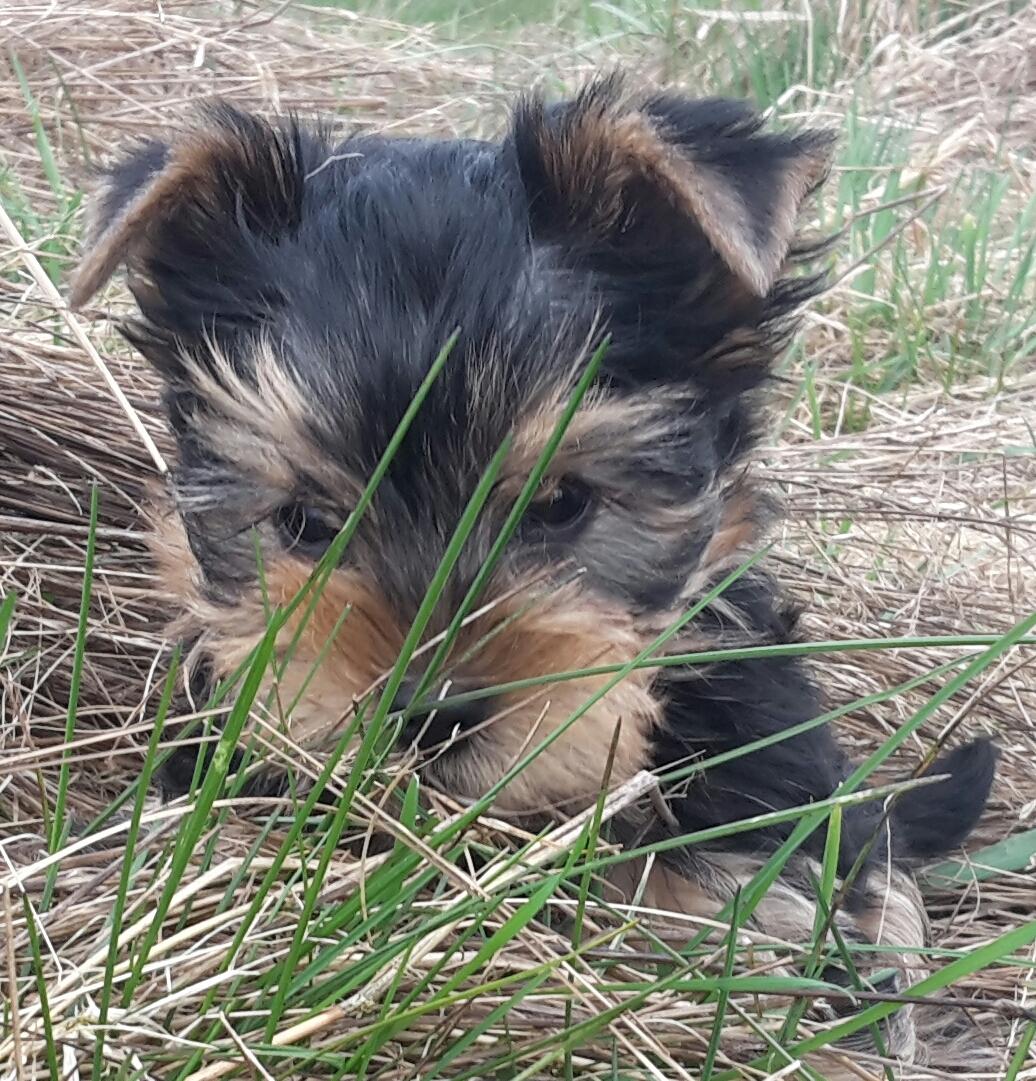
607,170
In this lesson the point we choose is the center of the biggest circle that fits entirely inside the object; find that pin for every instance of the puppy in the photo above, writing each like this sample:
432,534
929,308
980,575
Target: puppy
293,292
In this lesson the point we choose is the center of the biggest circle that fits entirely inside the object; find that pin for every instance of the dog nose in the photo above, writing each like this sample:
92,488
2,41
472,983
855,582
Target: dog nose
432,720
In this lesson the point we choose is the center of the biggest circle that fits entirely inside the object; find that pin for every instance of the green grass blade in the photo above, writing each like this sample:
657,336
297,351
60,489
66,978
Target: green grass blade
7,607
59,827
821,919
122,891
194,825
715,656
1015,854
43,147
1020,1057
49,1042
723,998
521,504
331,558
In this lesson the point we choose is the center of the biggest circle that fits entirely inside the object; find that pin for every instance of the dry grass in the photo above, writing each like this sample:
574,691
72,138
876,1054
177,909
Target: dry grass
912,492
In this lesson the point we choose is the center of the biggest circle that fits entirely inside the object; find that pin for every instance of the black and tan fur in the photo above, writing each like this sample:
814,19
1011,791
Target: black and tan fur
293,292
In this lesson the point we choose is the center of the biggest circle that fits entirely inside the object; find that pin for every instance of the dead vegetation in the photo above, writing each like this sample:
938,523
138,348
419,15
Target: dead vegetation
914,523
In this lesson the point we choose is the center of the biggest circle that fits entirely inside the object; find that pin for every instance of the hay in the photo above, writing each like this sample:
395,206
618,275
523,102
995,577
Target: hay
939,490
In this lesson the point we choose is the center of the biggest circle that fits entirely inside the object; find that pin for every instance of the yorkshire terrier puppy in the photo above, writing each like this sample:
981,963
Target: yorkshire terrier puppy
293,292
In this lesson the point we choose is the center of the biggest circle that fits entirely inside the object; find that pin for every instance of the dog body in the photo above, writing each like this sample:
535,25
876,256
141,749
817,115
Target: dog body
294,292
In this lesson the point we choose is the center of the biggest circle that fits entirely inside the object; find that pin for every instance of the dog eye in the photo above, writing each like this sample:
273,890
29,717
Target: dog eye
564,510
305,528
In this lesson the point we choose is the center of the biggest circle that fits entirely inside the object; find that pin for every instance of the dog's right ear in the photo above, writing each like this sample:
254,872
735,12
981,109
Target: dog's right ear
190,221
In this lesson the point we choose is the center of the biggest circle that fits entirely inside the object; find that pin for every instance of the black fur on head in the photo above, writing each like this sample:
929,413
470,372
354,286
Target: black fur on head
265,251
293,291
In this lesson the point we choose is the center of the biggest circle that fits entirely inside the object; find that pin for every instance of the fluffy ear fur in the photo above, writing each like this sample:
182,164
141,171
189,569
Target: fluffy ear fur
187,219
632,174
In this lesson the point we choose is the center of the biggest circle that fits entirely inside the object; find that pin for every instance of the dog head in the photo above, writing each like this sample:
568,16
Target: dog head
294,291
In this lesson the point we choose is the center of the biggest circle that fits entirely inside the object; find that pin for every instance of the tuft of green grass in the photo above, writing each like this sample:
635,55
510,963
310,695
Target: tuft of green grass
309,977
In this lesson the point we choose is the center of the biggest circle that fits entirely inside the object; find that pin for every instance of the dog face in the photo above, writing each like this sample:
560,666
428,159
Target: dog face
294,292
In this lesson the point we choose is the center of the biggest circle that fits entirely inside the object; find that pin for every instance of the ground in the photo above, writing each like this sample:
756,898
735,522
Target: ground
902,442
